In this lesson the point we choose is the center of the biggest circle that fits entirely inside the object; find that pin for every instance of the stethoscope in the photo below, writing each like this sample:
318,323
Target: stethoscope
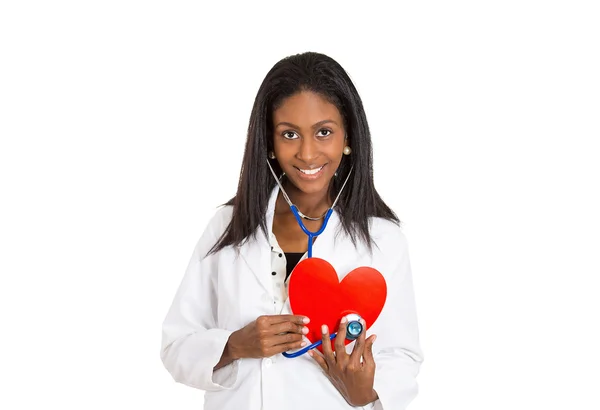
354,327
299,215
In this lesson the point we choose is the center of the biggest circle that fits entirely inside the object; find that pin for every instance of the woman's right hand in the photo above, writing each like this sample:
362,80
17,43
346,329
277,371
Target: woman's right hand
268,336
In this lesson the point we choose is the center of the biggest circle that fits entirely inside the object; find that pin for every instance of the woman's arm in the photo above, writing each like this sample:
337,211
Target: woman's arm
193,347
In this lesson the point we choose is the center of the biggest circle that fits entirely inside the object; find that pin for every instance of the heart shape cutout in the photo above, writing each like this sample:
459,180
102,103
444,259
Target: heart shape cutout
316,292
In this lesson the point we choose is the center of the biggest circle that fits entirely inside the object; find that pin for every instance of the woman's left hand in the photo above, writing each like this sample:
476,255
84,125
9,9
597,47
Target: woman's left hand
353,378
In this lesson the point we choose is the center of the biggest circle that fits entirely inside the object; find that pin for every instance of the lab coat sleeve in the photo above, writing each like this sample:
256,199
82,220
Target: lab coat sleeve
192,344
397,352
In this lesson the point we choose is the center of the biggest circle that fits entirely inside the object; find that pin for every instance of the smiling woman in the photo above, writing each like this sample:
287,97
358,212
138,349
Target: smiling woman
307,165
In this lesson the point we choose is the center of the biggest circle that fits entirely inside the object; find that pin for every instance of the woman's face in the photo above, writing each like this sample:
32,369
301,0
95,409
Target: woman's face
308,140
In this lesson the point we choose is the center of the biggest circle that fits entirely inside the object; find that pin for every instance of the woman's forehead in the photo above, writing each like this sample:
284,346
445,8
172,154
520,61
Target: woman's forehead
306,108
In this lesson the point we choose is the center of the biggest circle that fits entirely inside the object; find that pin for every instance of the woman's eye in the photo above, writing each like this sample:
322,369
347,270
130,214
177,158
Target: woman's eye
324,130
290,135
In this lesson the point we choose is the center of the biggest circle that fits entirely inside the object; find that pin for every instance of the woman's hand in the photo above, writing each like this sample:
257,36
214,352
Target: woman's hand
353,378
268,336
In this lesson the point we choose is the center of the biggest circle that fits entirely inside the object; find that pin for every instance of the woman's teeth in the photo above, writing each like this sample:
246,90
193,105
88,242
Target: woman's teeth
310,171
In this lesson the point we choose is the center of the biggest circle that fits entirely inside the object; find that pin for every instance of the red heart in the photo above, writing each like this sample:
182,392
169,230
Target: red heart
316,292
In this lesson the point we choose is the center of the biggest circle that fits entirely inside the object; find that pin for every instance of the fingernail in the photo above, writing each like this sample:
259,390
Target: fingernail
374,338
305,330
310,353
303,344
305,320
344,320
324,329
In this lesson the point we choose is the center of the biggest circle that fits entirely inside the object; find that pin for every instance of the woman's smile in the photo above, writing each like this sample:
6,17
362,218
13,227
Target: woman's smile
310,174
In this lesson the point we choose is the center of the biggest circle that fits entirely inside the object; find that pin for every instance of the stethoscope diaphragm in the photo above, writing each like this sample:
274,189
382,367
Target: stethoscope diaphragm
354,328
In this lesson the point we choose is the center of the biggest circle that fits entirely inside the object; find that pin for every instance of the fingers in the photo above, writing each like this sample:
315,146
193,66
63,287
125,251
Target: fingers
340,341
286,347
368,353
288,327
284,339
317,357
359,346
274,334
281,343
326,343
296,319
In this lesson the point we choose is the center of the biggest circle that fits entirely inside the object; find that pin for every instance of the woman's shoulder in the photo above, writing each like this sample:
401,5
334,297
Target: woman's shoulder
214,229
218,223
220,219
387,234
390,248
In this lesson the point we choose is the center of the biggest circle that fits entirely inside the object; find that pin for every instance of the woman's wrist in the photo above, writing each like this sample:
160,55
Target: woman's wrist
372,398
228,356
230,347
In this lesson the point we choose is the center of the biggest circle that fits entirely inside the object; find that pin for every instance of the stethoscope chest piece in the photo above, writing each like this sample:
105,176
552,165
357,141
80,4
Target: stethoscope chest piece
354,328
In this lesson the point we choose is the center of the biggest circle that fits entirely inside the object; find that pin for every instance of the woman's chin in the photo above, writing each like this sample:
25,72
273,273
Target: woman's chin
320,185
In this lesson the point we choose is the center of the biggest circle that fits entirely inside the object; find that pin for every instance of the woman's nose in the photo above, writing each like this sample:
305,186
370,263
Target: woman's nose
308,151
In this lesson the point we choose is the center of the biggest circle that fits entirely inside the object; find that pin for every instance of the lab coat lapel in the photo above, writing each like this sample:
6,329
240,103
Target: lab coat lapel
257,251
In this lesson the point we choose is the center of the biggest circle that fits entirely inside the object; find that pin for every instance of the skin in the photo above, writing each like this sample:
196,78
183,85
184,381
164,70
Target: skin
308,134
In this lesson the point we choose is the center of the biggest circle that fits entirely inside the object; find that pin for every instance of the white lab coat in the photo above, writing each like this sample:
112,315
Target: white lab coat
225,291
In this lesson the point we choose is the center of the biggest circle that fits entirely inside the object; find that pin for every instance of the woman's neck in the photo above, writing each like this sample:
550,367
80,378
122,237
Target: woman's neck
313,205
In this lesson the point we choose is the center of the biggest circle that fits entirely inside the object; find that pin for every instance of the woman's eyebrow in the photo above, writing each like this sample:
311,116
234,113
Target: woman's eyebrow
317,125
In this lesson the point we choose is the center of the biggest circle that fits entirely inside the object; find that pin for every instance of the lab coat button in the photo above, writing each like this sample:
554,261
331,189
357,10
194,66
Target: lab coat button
268,362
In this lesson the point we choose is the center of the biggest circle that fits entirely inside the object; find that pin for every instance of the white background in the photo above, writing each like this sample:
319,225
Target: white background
122,127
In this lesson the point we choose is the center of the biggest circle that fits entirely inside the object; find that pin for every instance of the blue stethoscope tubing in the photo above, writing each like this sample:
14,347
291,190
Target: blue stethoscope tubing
307,348
298,215
311,235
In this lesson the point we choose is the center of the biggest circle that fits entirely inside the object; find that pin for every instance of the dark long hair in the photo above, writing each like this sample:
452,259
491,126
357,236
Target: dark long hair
320,74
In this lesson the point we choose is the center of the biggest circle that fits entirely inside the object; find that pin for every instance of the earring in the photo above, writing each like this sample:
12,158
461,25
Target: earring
271,155
347,150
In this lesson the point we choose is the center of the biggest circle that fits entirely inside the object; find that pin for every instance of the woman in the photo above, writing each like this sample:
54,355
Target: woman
231,321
